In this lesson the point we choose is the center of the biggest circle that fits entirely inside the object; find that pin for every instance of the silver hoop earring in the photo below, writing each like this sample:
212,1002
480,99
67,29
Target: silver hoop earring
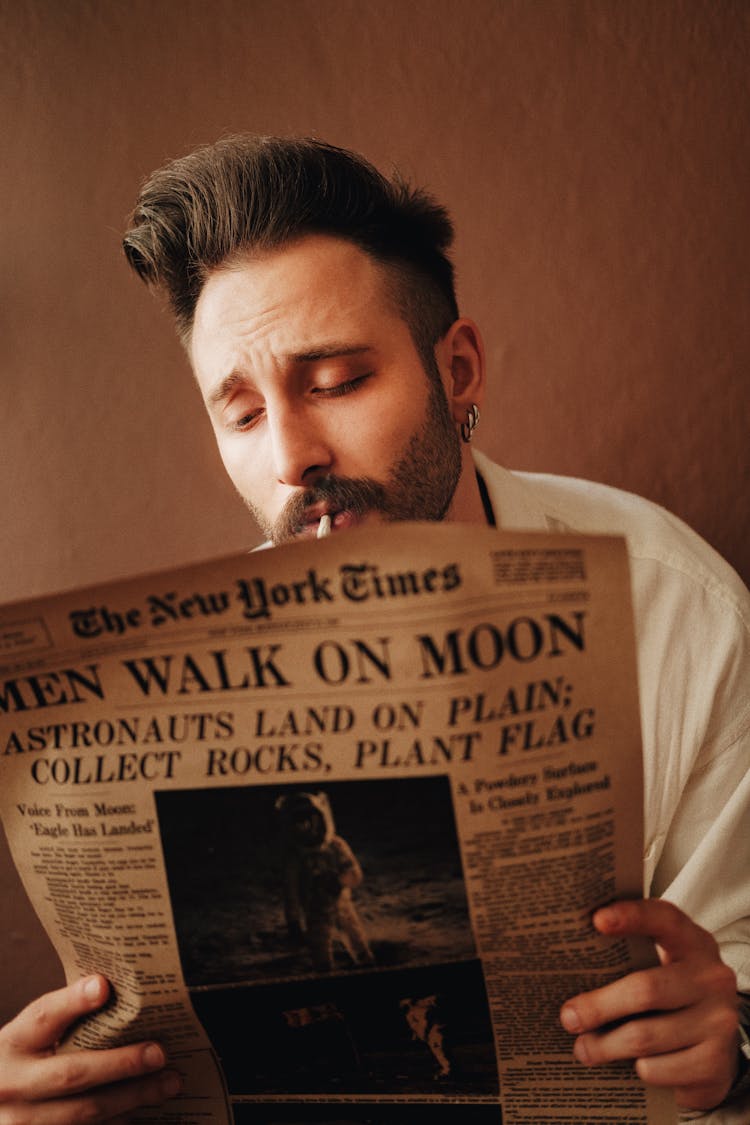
471,423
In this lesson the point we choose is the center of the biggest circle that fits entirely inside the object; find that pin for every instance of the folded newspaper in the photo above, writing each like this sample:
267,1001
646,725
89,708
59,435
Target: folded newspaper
333,820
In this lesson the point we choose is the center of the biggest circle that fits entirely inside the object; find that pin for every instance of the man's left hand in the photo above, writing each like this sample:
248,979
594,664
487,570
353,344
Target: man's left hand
677,1020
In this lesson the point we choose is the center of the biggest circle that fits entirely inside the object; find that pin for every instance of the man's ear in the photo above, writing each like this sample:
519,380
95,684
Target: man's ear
460,357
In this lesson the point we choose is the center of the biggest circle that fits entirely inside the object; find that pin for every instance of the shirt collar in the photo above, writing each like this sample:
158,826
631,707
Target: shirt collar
513,502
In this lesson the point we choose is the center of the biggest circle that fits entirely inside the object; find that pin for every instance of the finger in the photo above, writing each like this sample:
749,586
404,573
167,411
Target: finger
71,1073
640,1037
663,988
108,1103
40,1025
656,918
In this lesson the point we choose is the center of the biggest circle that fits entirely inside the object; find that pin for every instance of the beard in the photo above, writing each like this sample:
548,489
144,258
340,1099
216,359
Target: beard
420,485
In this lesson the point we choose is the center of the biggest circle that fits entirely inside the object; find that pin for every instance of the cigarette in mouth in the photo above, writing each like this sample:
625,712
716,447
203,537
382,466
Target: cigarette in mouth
324,527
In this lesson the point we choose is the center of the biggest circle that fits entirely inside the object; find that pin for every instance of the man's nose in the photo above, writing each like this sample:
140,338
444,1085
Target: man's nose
300,448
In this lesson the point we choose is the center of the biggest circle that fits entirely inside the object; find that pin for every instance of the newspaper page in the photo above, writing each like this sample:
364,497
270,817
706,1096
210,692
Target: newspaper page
333,820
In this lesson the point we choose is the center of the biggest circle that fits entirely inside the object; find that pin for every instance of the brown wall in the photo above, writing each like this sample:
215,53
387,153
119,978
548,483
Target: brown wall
595,156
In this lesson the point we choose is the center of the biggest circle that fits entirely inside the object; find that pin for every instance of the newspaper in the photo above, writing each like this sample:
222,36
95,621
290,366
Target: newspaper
333,820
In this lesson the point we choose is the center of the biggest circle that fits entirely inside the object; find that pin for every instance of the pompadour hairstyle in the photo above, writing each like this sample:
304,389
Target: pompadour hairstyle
250,193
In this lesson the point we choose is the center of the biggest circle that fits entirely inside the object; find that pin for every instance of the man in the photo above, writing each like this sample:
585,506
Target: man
315,301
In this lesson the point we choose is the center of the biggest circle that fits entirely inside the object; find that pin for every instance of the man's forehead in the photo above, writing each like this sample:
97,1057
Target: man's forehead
319,295
308,268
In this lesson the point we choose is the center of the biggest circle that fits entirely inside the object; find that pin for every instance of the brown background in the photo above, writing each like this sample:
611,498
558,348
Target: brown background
595,156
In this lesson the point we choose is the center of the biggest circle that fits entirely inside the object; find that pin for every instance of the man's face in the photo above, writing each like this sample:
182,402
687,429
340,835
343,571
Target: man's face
317,395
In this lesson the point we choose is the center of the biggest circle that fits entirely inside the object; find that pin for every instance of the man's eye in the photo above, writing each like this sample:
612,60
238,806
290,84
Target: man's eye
245,421
345,388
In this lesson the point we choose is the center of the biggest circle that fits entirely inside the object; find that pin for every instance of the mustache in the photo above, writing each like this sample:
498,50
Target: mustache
351,494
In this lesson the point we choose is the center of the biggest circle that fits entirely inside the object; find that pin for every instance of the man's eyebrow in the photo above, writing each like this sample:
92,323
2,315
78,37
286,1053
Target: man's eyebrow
329,351
225,388
314,355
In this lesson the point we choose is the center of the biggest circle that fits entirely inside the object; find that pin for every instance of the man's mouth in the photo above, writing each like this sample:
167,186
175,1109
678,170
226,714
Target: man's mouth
346,503
320,525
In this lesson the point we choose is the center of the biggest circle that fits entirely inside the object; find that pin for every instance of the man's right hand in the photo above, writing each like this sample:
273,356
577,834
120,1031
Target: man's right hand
39,1086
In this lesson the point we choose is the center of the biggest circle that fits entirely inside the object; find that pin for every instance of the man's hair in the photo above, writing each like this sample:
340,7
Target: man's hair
255,194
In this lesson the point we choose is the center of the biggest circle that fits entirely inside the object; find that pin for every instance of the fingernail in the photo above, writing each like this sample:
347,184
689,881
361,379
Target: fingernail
153,1056
170,1084
606,919
93,990
570,1021
580,1051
